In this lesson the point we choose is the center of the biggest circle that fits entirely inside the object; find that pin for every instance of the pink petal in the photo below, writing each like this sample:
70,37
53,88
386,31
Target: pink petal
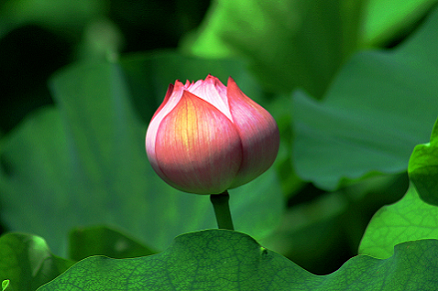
258,133
198,149
171,99
166,98
214,92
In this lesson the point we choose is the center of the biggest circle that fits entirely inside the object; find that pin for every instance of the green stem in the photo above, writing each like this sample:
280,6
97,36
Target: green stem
222,210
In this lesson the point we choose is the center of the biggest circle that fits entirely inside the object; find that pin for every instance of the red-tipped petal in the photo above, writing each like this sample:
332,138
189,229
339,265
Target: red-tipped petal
258,133
197,148
166,98
172,98
213,91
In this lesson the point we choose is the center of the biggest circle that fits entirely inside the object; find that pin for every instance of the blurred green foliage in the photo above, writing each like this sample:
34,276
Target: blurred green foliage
27,262
102,240
381,102
351,83
39,37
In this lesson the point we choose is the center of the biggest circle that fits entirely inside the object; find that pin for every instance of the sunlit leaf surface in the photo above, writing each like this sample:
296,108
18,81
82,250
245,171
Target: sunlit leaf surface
384,19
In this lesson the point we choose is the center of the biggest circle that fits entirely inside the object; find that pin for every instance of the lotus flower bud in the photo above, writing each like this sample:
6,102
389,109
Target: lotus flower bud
206,137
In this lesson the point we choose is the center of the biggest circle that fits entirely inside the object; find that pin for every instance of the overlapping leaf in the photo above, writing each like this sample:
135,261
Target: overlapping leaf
27,263
423,168
411,218
380,106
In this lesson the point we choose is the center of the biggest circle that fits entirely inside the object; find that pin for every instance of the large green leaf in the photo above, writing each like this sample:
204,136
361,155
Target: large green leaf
288,43
25,260
84,163
423,168
380,106
227,260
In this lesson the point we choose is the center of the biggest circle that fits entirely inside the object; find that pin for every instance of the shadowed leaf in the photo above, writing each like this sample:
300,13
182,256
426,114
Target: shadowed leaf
423,168
380,106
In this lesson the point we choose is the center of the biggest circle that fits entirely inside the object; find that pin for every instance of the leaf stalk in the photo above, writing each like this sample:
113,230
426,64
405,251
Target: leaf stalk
222,210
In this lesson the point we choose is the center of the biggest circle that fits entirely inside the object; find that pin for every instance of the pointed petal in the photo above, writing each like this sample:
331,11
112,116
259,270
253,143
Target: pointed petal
258,133
172,98
198,148
166,98
214,92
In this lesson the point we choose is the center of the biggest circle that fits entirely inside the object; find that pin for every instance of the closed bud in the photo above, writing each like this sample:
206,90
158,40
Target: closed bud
206,137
